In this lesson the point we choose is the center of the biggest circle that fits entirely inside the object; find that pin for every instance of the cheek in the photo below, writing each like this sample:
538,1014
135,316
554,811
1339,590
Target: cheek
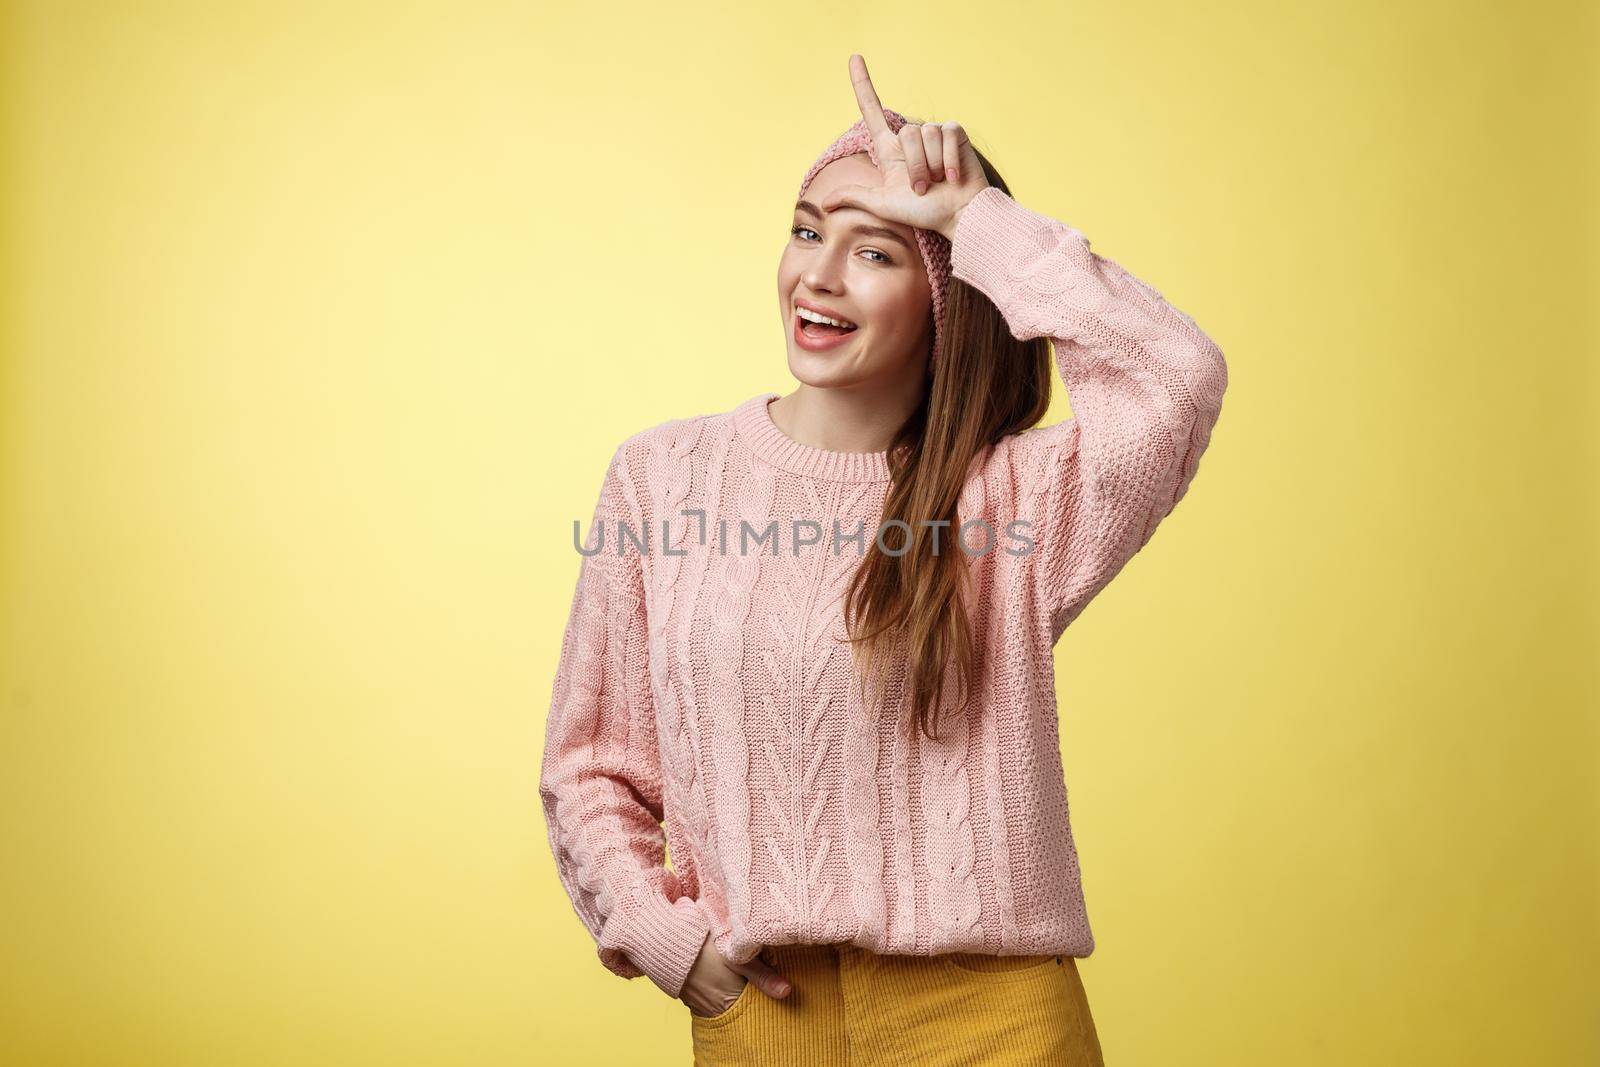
899,308
788,277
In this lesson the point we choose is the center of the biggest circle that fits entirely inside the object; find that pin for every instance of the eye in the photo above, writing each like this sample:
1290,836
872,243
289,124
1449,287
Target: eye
796,231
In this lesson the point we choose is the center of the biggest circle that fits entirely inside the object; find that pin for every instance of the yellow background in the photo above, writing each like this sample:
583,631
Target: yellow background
321,323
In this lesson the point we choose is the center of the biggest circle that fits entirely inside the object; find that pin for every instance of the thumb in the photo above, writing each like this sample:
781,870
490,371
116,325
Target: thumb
865,197
769,980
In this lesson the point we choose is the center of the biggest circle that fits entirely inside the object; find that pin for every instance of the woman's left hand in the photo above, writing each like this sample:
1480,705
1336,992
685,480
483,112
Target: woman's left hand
929,171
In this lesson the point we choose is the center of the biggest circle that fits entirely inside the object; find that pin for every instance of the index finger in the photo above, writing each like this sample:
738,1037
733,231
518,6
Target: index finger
867,97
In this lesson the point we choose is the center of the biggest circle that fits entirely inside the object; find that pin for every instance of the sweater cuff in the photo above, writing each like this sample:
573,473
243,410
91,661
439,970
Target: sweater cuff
992,233
664,938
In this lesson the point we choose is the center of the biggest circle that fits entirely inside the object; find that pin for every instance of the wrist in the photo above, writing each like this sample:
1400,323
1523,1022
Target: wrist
949,228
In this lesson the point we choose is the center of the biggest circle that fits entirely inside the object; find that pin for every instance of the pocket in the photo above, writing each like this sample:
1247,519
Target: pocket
726,1014
985,967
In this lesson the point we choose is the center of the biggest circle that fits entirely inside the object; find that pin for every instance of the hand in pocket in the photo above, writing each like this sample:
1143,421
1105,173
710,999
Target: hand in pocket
714,984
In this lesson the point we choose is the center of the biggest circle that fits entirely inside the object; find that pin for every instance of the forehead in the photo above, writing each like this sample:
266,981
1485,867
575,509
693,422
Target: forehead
854,169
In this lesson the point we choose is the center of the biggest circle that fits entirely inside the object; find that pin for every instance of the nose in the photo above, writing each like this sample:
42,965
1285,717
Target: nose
824,273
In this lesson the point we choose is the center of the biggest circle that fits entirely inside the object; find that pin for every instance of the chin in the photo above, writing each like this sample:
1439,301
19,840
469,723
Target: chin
823,370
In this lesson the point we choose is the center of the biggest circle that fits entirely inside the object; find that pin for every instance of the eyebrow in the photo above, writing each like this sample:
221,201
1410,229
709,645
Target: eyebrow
864,228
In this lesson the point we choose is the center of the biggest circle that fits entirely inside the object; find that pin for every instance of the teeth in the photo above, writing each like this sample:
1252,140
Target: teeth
812,316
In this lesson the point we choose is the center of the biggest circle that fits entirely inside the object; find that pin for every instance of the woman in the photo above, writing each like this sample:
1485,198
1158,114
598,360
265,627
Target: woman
832,676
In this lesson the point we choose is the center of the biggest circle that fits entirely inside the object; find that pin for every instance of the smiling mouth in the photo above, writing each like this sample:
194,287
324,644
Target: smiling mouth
820,336
819,329
823,329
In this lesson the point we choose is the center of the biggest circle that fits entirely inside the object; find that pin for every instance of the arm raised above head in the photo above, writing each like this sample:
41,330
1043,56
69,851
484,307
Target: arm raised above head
1144,381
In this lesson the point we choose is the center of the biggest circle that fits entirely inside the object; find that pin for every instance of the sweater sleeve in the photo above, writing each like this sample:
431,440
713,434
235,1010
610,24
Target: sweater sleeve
600,781
1145,384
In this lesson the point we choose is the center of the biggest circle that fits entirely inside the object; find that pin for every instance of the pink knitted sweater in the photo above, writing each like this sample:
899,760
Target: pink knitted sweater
706,687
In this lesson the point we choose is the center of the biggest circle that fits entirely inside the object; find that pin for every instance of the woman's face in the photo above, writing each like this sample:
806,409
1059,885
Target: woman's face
854,266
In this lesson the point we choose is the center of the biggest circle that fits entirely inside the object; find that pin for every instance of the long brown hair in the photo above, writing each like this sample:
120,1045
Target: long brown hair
913,605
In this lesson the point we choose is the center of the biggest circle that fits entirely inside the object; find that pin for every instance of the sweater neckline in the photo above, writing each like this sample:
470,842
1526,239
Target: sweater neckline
762,436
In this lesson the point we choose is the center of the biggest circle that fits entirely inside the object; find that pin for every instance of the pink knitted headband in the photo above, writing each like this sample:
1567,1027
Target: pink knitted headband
935,247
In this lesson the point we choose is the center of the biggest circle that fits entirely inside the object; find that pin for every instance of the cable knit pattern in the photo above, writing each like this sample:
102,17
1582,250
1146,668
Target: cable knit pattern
729,682
678,720
704,703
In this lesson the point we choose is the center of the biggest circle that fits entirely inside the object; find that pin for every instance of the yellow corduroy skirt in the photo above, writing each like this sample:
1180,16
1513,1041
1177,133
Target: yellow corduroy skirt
852,1006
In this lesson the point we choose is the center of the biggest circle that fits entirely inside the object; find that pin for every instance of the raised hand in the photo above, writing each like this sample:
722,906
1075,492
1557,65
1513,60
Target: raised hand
929,170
